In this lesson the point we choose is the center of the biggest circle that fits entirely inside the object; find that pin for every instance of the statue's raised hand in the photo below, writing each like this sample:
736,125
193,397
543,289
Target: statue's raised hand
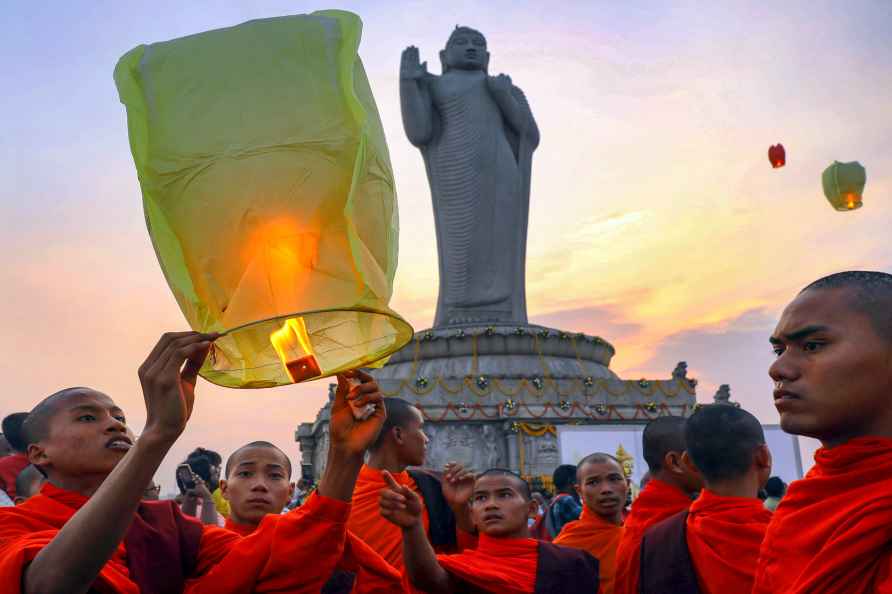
410,67
500,84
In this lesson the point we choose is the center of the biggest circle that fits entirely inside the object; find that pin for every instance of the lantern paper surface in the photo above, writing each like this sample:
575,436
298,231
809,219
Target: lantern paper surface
777,156
844,184
269,195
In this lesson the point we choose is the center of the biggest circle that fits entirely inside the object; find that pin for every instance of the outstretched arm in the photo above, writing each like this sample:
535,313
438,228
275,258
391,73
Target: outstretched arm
402,506
415,99
71,562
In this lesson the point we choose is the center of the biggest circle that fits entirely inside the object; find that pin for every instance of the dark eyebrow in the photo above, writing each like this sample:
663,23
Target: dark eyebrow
799,334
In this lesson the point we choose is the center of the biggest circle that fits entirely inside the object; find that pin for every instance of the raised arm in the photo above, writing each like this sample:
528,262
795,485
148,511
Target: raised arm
402,506
73,559
415,99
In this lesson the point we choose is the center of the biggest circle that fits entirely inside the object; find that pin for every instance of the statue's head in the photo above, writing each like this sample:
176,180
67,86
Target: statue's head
465,50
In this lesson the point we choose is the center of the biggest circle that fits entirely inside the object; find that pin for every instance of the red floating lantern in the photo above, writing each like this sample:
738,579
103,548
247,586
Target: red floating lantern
777,156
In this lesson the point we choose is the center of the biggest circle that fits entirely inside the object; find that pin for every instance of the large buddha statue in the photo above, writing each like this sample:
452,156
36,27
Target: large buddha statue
477,136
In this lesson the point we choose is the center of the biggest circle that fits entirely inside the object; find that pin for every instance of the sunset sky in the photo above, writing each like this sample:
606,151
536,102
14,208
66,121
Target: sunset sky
656,220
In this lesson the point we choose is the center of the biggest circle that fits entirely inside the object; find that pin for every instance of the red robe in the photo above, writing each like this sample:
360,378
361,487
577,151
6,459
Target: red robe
273,559
656,502
599,537
724,535
10,467
832,532
497,565
365,519
373,574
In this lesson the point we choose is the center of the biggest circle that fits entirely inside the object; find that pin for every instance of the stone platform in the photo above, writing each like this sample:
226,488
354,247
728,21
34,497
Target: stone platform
495,395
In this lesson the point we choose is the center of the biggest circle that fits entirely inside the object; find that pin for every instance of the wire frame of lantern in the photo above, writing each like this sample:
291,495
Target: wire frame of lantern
844,184
269,195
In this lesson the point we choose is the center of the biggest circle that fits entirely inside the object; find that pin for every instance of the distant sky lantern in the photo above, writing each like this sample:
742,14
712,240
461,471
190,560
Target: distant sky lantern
844,184
777,156
269,195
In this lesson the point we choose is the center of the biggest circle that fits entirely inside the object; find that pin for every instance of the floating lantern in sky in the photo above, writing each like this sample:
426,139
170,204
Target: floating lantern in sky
269,195
844,184
777,155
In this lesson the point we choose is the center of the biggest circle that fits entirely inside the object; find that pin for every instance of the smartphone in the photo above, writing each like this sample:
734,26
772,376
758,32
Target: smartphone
184,476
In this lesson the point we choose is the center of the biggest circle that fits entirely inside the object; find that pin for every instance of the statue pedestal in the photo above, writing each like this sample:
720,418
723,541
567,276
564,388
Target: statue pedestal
494,396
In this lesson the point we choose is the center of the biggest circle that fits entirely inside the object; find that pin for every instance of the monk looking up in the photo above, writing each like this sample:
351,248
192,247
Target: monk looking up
671,489
713,548
602,487
833,380
401,444
258,484
505,560
97,474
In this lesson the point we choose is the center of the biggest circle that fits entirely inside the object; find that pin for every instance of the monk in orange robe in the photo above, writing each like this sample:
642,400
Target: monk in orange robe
671,489
444,516
833,380
602,486
88,529
725,526
258,484
506,560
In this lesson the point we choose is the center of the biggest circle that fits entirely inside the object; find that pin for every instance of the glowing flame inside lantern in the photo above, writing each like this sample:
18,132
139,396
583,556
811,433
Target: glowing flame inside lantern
852,201
292,344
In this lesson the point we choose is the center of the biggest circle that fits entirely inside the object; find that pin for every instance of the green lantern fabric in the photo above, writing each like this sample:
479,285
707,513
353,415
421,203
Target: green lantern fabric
268,194
843,185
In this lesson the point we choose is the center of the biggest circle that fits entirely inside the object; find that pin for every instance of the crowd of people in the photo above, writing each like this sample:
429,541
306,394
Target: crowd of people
81,513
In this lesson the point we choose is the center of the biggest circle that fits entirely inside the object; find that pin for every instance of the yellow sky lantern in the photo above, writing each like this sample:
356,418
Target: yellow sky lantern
844,184
269,195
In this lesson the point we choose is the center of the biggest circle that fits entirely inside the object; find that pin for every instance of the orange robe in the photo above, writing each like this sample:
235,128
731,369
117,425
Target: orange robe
366,521
273,559
497,565
832,532
656,502
10,467
373,574
599,537
724,535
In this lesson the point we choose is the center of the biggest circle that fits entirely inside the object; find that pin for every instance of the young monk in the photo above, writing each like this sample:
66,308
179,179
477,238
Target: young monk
833,380
97,474
602,486
402,443
258,484
505,560
713,548
28,484
671,489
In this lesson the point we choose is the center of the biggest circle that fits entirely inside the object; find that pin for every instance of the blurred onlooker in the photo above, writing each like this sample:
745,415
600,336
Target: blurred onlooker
564,506
152,492
198,501
213,480
13,464
28,483
534,520
5,448
775,489
303,488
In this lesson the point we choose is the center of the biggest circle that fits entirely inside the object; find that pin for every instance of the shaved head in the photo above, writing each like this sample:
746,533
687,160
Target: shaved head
36,427
12,431
871,292
234,457
399,414
596,458
523,487
661,436
721,441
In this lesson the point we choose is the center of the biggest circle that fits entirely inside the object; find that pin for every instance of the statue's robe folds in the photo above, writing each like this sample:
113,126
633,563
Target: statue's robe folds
165,552
832,531
478,168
